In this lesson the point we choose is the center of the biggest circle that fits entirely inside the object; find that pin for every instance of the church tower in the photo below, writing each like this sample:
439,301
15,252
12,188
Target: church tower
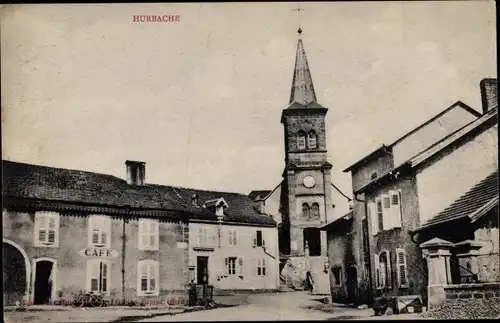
306,193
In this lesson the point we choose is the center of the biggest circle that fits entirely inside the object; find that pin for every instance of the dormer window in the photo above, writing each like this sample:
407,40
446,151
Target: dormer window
195,200
217,206
374,175
311,139
301,140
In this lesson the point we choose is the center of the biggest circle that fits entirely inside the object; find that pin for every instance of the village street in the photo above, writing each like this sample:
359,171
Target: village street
242,307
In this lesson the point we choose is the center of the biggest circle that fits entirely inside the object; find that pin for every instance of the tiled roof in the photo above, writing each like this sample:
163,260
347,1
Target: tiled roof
332,225
484,122
258,194
74,186
468,204
388,148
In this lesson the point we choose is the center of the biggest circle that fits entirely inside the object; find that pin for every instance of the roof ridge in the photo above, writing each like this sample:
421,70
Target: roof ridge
116,177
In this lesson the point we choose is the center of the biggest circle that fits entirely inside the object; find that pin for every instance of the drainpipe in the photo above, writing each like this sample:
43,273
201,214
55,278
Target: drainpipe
125,221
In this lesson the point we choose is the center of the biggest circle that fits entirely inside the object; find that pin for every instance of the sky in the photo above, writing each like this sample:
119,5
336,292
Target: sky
199,100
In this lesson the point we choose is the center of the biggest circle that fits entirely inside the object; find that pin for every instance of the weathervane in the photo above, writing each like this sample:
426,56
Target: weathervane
298,17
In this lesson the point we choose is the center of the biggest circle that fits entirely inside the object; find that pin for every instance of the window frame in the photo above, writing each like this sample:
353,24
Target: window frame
230,266
312,138
104,228
90,276
149,263
385,272
306,207
261,267
256,239
232,235
202,236
301,140
311,211
145,229
47,216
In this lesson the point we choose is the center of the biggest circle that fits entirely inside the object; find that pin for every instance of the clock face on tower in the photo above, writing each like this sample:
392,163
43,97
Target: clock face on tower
309,182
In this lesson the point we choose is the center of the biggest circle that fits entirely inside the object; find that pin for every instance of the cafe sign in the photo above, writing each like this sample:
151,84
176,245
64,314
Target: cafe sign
99,253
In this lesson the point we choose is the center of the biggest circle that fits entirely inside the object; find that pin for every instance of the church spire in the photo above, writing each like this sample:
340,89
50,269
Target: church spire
302,85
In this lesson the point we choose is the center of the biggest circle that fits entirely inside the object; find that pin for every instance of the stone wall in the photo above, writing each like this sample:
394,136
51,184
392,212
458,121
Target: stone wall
467,291
469,301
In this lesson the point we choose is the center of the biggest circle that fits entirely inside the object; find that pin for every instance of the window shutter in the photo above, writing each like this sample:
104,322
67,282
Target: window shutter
226,266
374,217
395,209
240,266
389,270
401,268
41,224
377,270
386,205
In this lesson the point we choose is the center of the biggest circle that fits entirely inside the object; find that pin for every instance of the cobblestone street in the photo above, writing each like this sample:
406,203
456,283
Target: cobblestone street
242,307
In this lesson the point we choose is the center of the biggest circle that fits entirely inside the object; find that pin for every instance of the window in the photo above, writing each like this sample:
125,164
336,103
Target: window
311,139
385,269
337,276
232,238
148,277
258,241
395,211
46,229
374,175
99,231
261,267
301,140
305,210
148,234
202,237
231,266
315,210
401,268
98,272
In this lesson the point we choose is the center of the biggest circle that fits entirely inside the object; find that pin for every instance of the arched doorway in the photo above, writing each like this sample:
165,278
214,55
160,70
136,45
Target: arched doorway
16,271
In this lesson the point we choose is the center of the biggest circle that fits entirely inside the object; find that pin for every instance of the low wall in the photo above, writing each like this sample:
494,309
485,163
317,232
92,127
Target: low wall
464,291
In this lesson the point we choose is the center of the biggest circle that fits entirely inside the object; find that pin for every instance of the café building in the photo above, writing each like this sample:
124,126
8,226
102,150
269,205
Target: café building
69,230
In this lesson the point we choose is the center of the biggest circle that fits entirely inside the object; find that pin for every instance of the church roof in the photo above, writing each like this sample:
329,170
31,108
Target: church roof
302,85
75,190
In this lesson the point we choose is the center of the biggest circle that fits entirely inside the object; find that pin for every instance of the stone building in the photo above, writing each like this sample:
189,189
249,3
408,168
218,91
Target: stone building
400,185
306,199
68,230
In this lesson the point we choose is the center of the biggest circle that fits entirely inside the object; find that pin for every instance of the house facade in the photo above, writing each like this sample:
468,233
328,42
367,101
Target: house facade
397,186
67,230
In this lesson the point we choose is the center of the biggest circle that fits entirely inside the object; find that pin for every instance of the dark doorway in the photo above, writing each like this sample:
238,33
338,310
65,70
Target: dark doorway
43,282
202,270
352,283
313,238
14,275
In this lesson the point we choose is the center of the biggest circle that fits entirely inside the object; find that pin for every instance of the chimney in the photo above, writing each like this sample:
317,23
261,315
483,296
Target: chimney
488,94
136,172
